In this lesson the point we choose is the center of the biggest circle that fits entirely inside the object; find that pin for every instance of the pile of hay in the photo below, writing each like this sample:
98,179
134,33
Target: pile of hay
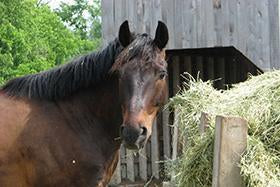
258,101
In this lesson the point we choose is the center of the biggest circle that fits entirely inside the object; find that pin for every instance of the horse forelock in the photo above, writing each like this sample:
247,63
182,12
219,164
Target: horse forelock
143,49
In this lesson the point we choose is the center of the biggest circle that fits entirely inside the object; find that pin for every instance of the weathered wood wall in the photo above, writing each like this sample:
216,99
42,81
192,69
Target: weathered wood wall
251,26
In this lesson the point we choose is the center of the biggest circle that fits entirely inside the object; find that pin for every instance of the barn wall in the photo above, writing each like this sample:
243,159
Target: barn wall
250,26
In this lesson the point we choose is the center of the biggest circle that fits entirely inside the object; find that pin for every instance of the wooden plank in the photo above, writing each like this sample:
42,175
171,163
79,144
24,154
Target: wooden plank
176,74
156,15
155,151
140,16
107,19
143,164
118,13
166,133
243,25
193,25
263,19
218,27
148,153
209,23
253,38
186,23
186,68
224,17
104,20
168,16
239,74
262,55
130,165
166,128
131,14
199,65
230,143
204,122
164,14
233,70
176,83
123,162
273,13
233,34
110,12
200,24
147,15
220,73
178,7
136,166
210,69
228,71
117,178
187,64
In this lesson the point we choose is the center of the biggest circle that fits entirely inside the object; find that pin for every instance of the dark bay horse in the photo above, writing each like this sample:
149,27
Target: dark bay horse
63,127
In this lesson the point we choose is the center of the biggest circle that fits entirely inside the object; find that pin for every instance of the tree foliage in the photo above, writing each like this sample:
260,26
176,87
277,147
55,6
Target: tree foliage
82,17
33,38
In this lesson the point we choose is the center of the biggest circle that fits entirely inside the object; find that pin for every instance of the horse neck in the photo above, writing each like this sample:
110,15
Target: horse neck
96,109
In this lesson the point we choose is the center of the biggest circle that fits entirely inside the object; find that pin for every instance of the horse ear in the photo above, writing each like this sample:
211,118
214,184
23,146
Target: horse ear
161,37
124,34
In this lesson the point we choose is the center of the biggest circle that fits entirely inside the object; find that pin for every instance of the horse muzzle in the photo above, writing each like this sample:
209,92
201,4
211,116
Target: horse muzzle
133,138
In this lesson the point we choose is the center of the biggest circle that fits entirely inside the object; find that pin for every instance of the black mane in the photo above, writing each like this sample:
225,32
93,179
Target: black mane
64,80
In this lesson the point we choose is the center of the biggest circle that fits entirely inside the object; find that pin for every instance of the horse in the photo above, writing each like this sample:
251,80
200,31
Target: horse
64,126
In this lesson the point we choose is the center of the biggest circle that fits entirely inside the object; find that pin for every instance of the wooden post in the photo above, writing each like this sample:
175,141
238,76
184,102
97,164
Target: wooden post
155,151
176,85
210,68
130,165
199,65
166,129
204,122
143,164
166,133
230,143
220,73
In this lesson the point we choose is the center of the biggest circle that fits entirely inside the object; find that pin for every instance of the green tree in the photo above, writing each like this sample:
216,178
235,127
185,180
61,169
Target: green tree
84,18
33,38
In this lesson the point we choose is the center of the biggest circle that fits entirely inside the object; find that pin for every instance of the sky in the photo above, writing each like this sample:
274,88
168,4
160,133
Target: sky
55,3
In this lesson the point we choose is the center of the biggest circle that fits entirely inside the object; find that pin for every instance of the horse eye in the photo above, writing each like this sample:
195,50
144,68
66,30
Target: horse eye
162,75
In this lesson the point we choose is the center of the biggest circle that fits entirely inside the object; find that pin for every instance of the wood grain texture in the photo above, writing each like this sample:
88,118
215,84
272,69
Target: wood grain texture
155,151
250,26
230,143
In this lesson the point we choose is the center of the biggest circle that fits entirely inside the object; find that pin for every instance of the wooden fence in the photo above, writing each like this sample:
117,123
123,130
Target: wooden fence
225,65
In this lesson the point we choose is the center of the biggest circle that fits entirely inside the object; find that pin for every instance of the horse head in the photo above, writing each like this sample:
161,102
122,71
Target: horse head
142,75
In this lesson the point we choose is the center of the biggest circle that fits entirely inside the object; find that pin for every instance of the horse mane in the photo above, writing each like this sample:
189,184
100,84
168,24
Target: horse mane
64,80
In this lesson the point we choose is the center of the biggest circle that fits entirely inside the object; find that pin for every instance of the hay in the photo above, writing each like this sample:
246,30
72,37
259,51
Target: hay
258,101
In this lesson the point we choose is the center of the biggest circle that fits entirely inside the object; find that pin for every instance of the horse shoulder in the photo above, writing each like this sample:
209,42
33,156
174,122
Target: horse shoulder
13,116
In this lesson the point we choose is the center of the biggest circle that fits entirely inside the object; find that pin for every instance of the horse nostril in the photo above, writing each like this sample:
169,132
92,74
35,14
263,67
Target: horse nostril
129,134
143,131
